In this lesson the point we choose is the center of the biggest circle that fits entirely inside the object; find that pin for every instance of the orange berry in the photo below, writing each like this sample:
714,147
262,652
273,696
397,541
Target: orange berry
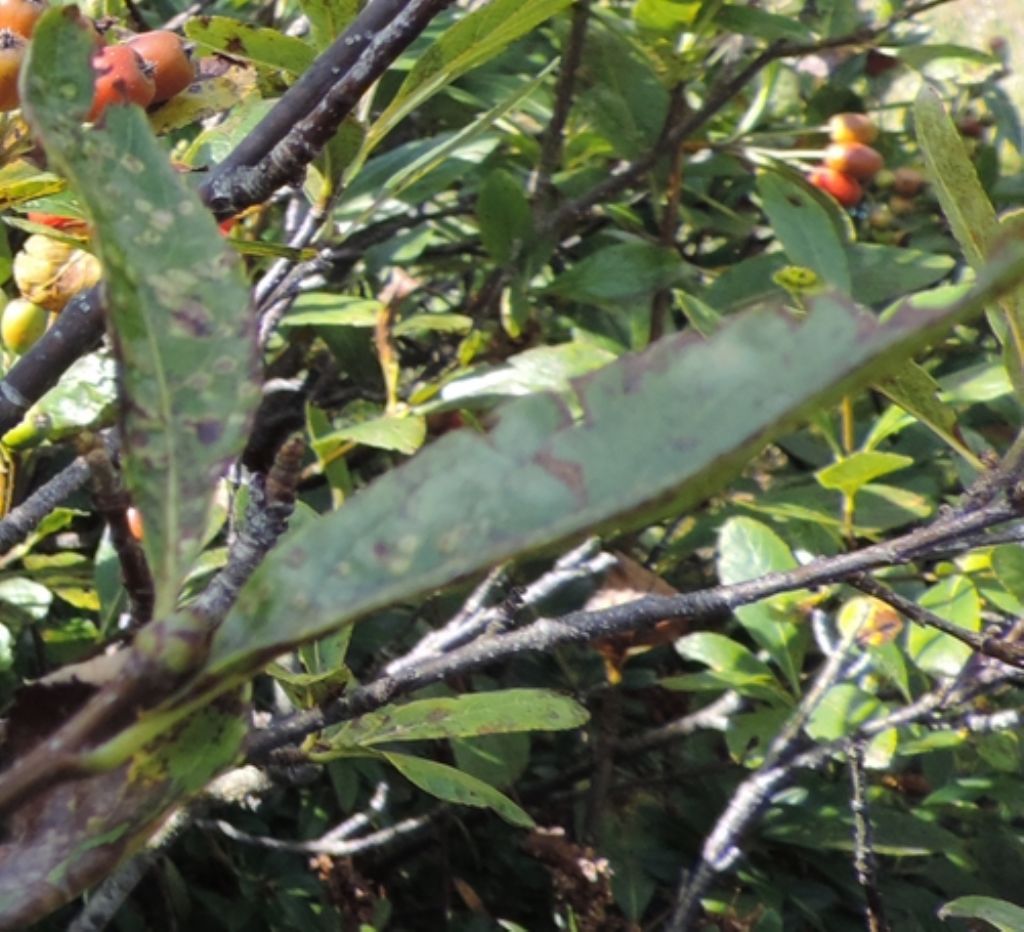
854,159
852,127
21,16
12,53
842,187
170,59
134,519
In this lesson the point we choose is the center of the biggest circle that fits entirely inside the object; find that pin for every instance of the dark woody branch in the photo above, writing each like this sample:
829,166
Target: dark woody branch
583,626
309,114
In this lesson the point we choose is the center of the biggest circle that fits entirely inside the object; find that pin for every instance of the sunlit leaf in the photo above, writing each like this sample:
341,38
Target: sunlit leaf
454,786
470,715
267,47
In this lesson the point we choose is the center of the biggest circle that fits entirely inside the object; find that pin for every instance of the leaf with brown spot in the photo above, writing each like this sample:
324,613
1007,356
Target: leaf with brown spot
500,712
74,833
662,430
259,45
176,296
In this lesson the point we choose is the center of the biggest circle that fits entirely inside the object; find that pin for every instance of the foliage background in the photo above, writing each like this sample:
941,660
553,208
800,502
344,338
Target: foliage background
781,751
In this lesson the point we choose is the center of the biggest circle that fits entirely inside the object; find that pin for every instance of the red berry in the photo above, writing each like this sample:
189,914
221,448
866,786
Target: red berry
842,187
121,78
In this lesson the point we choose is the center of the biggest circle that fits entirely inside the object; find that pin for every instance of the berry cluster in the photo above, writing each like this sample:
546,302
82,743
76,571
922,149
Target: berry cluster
48,273
849,160
148,68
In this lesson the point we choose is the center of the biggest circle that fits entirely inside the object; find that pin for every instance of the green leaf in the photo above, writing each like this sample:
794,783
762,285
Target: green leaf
412,531
969,211
1006,917
917,393
234,88
805,228
504,215
734,666
402,433
666,15
883,507
444,158
700,315
747,282
328,19
630,841
964,201
855,471
882,273
420,324
1008,565
749,21
454,786
267,47
83,399
475,38
895,833
949,62
749,734
28,596
502,711
841,710
955,599
748,549
628,106
620,273
333,310
177,300
21,181
499,760
543,368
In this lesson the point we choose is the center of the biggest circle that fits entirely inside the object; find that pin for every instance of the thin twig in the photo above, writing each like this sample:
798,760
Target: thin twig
864,862
112,500
271,502
475,617
383,838
661,303
553,139
721,847
24,519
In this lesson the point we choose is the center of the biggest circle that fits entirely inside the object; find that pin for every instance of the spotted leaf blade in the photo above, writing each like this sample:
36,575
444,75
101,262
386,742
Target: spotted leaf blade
658,430
178,305
74,833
